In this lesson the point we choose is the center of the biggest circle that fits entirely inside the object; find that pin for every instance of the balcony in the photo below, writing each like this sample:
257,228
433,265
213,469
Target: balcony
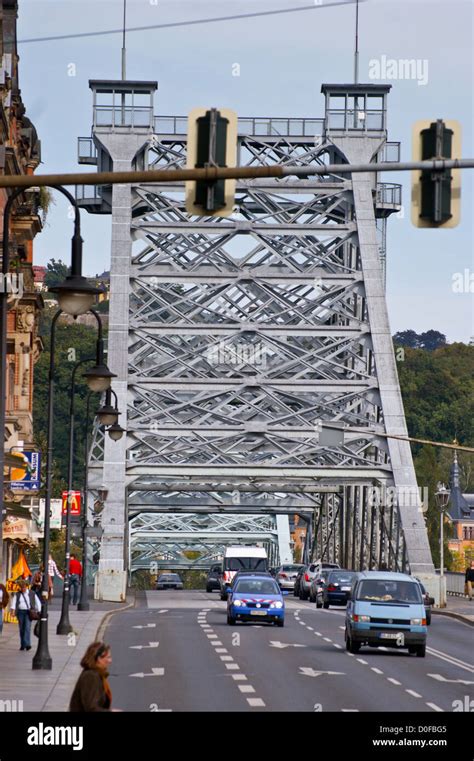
388,199
86,151
168,126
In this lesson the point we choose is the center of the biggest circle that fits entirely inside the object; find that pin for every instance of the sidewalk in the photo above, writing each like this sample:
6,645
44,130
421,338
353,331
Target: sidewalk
49,690
457,607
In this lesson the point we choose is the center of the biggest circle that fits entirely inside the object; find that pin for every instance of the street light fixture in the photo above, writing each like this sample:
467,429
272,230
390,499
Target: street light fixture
107,414
442,499
116,432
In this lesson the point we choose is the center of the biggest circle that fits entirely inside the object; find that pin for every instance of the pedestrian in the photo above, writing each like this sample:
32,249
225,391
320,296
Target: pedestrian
469,579
24,604
4,597
53,571
75,576
92,691
37,580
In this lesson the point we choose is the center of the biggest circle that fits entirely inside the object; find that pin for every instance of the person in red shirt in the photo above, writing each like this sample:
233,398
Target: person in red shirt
75,576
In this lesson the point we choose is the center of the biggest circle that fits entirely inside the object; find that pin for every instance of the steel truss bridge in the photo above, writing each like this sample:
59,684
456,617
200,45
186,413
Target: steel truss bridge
237,341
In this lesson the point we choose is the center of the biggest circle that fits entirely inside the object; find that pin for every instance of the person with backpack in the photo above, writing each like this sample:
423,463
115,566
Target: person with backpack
27,607
4,598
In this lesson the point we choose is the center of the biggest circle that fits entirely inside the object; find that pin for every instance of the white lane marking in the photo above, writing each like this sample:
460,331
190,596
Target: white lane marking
350,710
246,688
361,660
226,658
216,643
154,672
302,623
282,645
308,671
336,645
351,655
318,634
144,647
220,649
435,707
310,628
450,659
211,636
165,610
206,610
232,666
415,694
256,702
376,671
326,639
394,681
440,678
146,626
239,677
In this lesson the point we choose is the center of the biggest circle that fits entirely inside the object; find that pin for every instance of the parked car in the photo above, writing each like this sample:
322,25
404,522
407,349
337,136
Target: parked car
169,581
335,589
286,575
386,609
255,597
213,577
428,602
317,584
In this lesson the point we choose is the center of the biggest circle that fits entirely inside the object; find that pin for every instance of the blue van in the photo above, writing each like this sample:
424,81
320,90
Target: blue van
386,610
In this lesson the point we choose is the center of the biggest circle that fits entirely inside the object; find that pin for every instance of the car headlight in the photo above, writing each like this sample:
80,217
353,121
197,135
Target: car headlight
238,603
276,605
416,621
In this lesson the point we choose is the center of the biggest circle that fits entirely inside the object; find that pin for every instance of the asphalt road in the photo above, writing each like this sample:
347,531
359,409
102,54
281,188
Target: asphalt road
202,664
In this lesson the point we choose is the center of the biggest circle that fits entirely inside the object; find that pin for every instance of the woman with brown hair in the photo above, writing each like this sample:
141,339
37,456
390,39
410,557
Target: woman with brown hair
92,691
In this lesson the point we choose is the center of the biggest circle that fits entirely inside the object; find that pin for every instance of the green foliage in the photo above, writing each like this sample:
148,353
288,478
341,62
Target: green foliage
430,340
438,394
56,272
81,339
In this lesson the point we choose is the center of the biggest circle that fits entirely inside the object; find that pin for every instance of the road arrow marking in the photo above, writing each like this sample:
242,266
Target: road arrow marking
155,672
440,678
146,626
307,671
281,645
144,647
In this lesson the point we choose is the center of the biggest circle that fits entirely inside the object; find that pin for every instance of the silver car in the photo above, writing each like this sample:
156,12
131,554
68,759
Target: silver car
285,575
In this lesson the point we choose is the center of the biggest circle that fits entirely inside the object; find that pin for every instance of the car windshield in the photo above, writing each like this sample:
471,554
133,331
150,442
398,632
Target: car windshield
245,564
257,587
169,577
341,578
290,568
381,590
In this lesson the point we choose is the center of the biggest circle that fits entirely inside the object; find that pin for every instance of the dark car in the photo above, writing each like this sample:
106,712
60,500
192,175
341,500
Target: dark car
428,602
335,590
212,581
299,576
169,581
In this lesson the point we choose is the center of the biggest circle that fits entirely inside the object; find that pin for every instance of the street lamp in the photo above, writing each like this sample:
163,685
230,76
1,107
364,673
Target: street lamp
116,432
64,625
442,499
107,414
99,377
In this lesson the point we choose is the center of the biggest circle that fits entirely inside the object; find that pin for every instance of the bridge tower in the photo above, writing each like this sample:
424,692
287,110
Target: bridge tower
253,354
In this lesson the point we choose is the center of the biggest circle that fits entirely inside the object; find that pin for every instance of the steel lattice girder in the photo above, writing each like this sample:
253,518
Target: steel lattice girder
246,334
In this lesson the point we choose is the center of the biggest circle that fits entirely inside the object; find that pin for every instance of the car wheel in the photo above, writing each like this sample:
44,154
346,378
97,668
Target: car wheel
325,605
295,593
412,649
280,623
428,618
421,651
312,597
208,589
230,620
318,604
223,597
303,595
354,647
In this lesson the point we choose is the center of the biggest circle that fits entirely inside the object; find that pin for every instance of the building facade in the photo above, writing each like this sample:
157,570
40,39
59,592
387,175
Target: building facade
20,154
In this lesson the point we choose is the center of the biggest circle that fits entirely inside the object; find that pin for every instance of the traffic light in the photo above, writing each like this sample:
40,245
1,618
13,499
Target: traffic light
212,141
436,196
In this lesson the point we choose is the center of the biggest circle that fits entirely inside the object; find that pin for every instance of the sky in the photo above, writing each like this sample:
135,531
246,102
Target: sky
284,59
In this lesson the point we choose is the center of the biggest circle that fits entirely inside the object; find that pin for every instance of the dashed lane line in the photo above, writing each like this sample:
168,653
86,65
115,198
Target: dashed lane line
256,702
375,670
246,688
239,677
394,681
435,707
415,694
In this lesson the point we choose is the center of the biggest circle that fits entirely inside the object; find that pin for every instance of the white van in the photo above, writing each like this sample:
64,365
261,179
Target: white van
241,558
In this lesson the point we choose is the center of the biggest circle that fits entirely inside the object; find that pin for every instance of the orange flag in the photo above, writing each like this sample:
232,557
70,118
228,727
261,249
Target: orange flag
21,568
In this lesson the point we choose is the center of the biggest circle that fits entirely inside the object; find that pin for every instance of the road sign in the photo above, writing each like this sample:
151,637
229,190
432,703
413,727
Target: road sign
55,507
74,500
29,479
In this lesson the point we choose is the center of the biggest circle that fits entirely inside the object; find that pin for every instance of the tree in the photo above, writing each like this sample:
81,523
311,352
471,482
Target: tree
430,340
56,273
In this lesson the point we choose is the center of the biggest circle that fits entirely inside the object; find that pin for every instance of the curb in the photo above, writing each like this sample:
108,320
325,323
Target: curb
457,616
105,621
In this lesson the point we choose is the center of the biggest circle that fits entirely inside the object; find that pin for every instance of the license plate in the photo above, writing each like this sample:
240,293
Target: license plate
345,589
258,612
389,635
